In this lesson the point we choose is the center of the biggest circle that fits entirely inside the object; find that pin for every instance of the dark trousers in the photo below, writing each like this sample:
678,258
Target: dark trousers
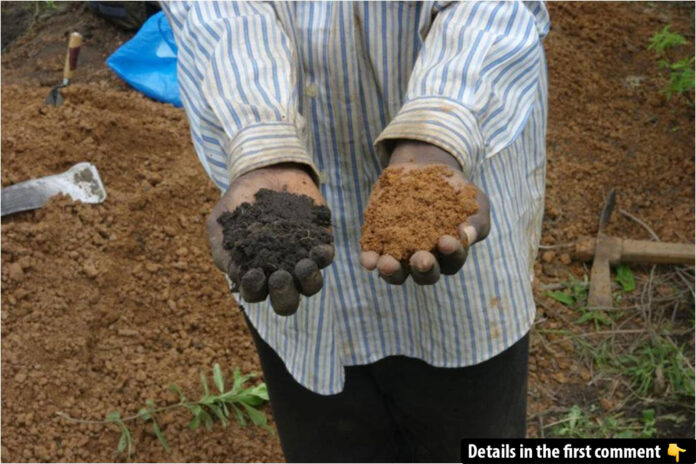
398,409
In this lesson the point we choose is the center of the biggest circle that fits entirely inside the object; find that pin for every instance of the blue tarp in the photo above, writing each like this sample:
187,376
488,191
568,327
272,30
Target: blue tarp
147,62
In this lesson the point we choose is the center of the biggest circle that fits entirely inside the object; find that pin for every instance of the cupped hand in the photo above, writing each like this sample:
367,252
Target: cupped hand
283,287
450,253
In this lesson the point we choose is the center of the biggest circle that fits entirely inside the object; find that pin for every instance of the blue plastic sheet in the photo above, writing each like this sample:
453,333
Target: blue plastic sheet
147,62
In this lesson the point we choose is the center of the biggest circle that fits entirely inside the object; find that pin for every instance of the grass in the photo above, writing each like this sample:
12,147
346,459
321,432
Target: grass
681,71
640,356
238,403
590,423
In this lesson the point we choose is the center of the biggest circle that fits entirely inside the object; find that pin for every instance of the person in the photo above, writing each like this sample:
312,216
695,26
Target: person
317,98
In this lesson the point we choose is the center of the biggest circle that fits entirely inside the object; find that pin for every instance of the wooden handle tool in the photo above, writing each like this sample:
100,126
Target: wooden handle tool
71,56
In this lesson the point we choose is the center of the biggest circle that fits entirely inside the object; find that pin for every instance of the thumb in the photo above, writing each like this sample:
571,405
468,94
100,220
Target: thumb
215,237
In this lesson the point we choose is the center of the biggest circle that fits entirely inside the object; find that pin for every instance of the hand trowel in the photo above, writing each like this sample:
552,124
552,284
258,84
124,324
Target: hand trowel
81,182
74,43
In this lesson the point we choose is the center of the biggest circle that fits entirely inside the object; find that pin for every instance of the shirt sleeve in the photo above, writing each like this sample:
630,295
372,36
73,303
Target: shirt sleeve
474,82
238,82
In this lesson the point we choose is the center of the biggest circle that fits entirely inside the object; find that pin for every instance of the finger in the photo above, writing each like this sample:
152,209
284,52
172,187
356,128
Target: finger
467,233
284,296
215,237
391,270
308,276
322,255
422,261
253,286
425,269
368,260
233,272
481,221
451,254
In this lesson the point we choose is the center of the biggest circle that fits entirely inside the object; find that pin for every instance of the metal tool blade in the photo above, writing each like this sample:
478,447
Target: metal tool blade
54,97
600,277
81,182
607,210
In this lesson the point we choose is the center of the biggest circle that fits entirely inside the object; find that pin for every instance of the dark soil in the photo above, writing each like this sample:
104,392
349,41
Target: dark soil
15,18
275,232
410,210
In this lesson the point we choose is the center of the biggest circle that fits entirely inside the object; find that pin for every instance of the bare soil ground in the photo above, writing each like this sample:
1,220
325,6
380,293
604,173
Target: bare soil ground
104,306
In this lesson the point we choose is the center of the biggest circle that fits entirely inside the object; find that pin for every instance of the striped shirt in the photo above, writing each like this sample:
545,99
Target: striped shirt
328,84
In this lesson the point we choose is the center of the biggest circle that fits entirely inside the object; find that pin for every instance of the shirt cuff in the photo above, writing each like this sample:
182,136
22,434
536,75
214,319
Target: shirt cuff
266,144
440,121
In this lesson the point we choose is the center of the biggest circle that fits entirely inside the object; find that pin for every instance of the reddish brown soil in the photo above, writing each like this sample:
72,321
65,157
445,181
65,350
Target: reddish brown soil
104,306
410,210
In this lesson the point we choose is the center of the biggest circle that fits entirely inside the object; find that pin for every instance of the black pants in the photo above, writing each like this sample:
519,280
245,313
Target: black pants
398,409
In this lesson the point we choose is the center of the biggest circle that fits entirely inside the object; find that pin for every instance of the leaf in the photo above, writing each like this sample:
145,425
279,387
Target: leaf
625,278
122,442
204,382
561,297
144,414
206,419
220,415
217,378
175,388
594,316
648,415
195,422
113,416
261,391
257,417
238,415
160,435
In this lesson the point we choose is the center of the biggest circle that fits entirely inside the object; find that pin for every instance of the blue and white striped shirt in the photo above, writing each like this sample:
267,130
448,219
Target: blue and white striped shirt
326,84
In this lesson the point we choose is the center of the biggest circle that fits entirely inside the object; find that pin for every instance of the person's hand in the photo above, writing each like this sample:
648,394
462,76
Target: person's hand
283,287
451,252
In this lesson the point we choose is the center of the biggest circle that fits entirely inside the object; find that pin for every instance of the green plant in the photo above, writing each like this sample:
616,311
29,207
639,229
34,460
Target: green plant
625,278
681,72
656,355
681,76
596,423
665,39
574,294
237,402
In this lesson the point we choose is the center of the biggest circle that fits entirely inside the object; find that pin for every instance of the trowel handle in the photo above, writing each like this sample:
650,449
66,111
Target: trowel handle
74,45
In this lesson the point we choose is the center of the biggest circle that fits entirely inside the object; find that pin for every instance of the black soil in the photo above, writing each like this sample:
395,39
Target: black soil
275,232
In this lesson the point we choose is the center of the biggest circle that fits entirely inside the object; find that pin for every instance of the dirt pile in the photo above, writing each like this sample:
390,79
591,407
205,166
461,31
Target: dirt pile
275,232
104,305
410,209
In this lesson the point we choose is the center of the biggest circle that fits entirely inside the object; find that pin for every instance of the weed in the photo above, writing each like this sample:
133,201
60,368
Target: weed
625,278
237,402
592,424
681,76
665,39
575,293
657,355
681,72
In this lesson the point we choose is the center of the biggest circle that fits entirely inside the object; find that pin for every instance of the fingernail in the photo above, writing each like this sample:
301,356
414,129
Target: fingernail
469,232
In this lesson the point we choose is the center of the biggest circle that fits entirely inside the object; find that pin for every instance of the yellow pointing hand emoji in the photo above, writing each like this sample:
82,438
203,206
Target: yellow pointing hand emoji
674,450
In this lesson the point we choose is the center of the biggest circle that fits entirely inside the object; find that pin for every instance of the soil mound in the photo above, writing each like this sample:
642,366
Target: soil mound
275,232
410,210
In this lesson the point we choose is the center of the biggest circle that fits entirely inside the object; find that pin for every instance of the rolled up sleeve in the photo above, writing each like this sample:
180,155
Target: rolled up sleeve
238,79
474,83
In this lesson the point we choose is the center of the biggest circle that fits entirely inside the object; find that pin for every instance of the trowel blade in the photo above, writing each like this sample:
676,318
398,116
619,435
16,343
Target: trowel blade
81,182
54,97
